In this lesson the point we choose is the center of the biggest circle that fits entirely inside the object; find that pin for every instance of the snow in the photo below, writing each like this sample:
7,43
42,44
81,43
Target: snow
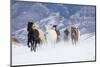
53,53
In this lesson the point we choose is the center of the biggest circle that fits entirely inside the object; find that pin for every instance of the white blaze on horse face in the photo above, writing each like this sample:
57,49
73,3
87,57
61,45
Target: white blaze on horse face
53,28
34,26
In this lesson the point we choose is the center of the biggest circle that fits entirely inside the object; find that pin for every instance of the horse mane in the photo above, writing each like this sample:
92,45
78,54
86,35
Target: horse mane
73,29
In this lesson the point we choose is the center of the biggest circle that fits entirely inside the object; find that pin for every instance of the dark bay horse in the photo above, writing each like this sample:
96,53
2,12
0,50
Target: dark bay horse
33,37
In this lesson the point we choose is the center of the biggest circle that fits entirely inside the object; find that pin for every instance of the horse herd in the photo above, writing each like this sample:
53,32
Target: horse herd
51,35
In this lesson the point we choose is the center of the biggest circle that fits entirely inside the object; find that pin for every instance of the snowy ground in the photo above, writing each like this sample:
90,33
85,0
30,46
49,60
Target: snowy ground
61,52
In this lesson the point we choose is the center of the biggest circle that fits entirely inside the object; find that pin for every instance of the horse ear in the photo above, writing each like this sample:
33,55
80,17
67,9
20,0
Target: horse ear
55,26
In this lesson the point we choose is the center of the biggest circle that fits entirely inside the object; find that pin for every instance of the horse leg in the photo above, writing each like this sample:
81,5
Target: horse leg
75,42
72,41
76,39
35,45
39,42
28,44
31,46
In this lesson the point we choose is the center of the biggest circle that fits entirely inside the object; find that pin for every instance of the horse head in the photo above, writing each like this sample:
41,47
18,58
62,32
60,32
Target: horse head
35,26
54,27
29,27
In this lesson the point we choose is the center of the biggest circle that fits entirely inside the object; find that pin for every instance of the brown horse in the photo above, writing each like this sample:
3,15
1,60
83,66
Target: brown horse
75,35
33,36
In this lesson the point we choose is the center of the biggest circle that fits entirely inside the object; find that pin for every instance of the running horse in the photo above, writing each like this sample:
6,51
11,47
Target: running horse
75,34
33,36
51,35
57,32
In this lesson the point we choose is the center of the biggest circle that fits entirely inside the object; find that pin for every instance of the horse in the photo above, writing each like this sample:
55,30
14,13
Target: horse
75,34
33,36
41,34
57,31
66,32
29,29
51,35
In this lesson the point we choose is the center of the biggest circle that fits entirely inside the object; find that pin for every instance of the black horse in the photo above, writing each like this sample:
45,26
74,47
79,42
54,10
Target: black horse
33,37
29,29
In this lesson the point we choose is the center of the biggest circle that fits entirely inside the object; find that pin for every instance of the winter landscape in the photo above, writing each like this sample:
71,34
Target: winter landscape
61,15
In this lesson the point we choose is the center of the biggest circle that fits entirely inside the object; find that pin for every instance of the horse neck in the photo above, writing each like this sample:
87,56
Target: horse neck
35,27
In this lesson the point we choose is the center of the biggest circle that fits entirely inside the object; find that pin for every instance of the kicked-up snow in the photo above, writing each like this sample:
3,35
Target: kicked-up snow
54,53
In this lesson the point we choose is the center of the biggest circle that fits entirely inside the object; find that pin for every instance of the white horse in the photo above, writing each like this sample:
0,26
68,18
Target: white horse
51,35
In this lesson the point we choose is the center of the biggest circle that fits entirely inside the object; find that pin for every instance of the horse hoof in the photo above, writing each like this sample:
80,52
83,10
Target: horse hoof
31,50
28,46
34,50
